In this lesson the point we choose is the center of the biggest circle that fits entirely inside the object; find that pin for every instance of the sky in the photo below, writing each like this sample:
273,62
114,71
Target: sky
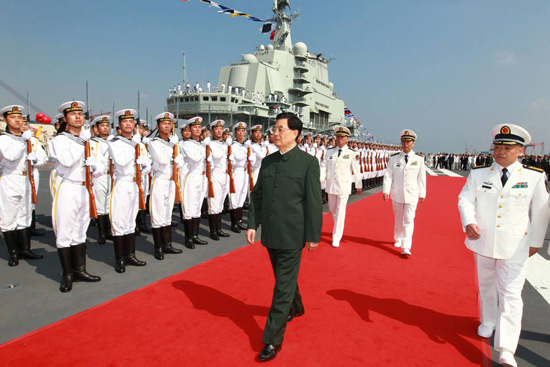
449,70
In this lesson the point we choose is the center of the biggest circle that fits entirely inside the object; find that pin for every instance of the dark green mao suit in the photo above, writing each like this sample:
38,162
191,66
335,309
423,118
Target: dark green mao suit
287,202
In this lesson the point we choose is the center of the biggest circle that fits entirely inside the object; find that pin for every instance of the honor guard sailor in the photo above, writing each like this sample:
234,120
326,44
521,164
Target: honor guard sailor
16,185
130,163
166,156
340,169
405,182
504,211
71,205
258,150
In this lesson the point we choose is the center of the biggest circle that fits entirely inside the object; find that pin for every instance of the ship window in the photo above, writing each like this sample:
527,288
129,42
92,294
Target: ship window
181,99
214,99
232,100
196,98
186,99
222,99
205,98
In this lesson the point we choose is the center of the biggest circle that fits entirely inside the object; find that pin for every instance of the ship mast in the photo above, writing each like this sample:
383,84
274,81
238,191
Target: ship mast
185,79
282,39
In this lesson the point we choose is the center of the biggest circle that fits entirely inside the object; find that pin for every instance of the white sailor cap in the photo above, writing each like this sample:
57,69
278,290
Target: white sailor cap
12,110
142,123
58,117
510,134
71,106
101,120
197,120
165,116
184,126
217,123
126,113
239,125
256,128
407,135
341,131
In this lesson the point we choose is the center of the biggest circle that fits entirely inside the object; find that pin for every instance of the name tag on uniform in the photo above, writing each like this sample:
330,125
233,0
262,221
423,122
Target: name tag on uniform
520,185
346,156
415,163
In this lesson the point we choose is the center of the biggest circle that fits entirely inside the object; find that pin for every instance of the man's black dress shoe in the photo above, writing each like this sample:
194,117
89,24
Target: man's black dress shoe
295,314
269,352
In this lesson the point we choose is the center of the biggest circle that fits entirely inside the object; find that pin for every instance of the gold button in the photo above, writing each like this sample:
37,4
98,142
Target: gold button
500,216
502,196
498,225
519,194
526,233
500,206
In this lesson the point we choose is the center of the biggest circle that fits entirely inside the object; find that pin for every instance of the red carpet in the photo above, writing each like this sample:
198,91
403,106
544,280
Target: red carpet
365,305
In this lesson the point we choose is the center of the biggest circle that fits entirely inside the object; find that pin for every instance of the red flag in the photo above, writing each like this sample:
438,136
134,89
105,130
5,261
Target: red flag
272,35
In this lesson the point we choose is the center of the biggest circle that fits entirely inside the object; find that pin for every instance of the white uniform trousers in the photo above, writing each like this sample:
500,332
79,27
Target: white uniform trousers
102,193
337,206
404,223
220,183
161,201
123,207
36,176
55,181
70,214
194,188
500,283
15,211
240,178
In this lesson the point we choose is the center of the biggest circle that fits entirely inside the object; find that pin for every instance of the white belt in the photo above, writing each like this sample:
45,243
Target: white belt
163,177
79,183
7,171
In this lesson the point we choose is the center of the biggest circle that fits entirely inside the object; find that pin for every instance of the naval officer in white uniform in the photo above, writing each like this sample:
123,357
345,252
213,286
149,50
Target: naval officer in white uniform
405,182
504,212
340,169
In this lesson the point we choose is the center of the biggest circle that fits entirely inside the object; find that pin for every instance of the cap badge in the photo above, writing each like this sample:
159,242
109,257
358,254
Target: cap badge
15,108
104,119
166,115
505,130
127,112
74,104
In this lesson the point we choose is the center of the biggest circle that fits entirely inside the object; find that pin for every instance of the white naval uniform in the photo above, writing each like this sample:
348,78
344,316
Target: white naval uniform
163,187
271,148
194,185
15,188
511,219
41,159
239,164
219,176
339,173
259,152
99,148
406,183
71,205
124,204
55,178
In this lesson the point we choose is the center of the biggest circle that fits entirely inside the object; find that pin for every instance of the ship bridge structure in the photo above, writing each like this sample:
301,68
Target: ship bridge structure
278,77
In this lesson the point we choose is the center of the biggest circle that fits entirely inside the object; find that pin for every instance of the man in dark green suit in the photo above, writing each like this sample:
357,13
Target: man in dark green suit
287,202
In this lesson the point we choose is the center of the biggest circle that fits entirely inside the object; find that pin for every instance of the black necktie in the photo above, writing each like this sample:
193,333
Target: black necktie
406,158
504,177
339,151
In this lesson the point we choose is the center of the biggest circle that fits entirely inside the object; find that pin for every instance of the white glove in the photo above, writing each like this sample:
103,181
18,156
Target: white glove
85,134
247,143
174,139
229,141
91,162
27,134
209,159
142,161
179,161
206,140
232,160
32,157
146,140
136,138
315,145
110,137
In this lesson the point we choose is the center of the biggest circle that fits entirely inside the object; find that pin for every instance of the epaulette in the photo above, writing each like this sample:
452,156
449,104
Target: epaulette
332,148
420,154
113,139
481,166
394,154
533,168
353,150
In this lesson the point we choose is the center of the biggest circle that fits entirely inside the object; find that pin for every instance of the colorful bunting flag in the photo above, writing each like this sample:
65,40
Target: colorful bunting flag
266,28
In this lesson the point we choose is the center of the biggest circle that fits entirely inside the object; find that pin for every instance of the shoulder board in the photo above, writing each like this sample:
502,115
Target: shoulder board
481,166
533,168
331,148
113,139
394,154
420,154
353,150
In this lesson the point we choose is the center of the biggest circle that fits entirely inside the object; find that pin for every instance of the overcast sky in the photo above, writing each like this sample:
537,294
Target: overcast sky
448,69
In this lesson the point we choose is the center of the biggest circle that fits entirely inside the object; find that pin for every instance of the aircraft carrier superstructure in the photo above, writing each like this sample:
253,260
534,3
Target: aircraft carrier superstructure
277,77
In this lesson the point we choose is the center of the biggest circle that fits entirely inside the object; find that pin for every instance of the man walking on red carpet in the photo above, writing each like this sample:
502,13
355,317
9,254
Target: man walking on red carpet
287,201
504,212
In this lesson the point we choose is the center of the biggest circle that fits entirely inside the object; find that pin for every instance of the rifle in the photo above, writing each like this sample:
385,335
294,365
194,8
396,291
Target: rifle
230,171
30,167
361,170
141,195
209,174
249,168
89,182
175,171
112,172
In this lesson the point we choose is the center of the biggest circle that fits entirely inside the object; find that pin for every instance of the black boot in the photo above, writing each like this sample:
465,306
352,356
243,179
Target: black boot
204,209
233,216
196,239
157,240
34,231
101,230
240,223
180,209
118,244
188,229
167,241
130,250
93,222
11,240
108,231
324,196
67,266
219,226
141,223
213,224
24,242
78,254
